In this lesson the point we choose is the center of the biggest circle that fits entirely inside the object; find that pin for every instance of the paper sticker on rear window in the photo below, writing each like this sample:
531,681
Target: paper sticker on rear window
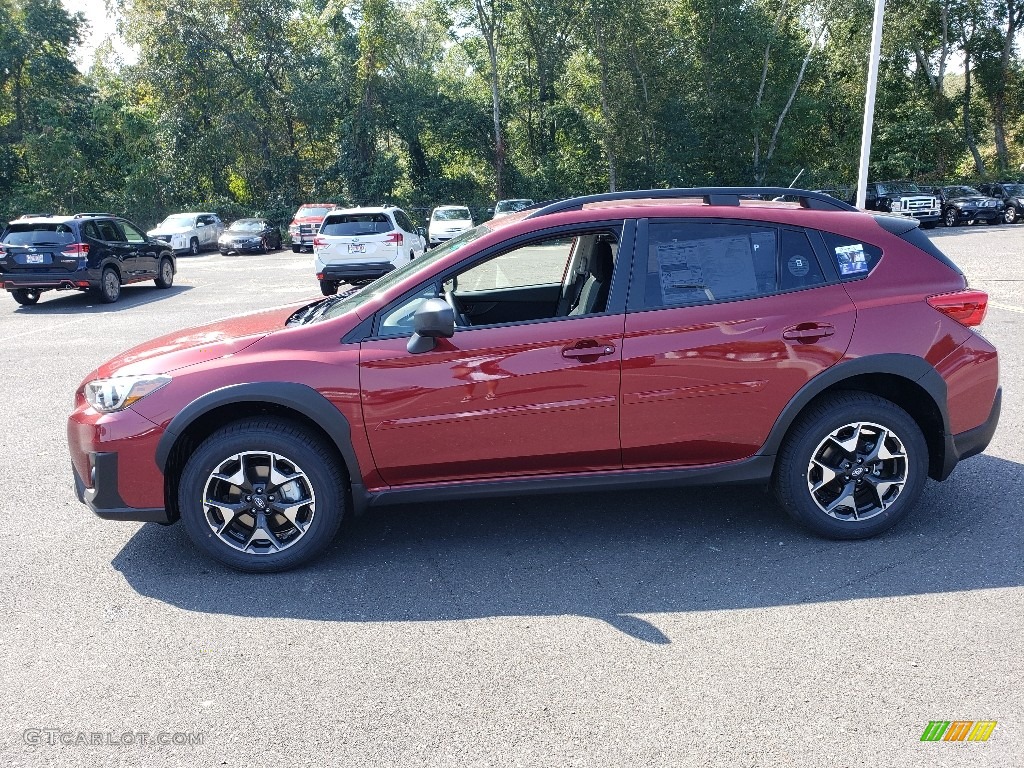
851,259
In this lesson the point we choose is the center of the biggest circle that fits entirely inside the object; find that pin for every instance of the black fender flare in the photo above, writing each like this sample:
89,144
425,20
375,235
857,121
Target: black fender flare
297,397
915,369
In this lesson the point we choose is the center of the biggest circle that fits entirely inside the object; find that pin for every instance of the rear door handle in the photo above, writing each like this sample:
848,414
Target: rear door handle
595,350
809,332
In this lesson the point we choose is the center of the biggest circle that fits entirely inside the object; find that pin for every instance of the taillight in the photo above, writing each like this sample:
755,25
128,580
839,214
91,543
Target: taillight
394,237
966,307
75,250
319,241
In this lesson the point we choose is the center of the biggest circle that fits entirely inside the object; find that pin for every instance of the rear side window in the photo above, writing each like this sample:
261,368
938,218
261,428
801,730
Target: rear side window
853,258
42,233
90,231
353,224
692,263
404,221
109,232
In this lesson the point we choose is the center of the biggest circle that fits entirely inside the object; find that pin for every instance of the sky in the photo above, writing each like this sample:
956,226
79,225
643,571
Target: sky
102,24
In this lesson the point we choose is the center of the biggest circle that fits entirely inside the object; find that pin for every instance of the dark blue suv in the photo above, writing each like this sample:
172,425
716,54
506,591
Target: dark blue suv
87,251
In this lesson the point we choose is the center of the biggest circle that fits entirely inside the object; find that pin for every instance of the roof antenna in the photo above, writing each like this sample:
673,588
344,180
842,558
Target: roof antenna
794,181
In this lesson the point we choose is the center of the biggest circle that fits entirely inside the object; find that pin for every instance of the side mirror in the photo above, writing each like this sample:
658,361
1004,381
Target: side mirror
200,223
490,212
421,231
434,319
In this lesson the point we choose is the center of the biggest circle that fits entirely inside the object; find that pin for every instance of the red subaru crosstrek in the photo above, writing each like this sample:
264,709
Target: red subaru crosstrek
665,337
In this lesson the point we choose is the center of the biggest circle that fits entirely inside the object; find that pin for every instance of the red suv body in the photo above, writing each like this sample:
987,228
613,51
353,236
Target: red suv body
596,343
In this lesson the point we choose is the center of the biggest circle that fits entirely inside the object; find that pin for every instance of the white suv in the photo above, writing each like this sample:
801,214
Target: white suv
192,232
447,221
356,245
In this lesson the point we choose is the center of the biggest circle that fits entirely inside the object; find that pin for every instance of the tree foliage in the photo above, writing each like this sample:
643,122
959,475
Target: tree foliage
246,106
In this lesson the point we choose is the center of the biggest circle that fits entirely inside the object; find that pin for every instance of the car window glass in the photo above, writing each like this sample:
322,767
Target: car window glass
39,234
798,266
131,234
356,224
403,221
692,263
109,232
541,263
853,258
90,230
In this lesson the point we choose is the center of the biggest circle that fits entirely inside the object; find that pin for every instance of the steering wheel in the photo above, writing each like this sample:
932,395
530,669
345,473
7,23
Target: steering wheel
460,319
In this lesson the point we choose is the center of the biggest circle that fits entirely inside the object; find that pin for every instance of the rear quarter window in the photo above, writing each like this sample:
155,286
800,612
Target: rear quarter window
853,258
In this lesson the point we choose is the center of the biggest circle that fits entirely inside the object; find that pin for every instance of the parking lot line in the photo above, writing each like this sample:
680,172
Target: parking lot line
1007,307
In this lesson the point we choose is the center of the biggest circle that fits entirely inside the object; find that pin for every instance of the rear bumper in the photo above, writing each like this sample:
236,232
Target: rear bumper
367,270
973,441
60,281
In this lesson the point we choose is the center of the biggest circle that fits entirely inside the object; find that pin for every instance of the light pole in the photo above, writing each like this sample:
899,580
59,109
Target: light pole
869,103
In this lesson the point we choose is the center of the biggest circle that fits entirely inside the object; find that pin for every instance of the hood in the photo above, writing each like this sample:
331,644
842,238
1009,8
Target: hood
196,345
168,231
968,199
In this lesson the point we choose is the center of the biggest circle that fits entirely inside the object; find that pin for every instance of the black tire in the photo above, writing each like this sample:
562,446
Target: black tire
285,439
994,221
165,275
109,289
928,224
193,246
812,430
328,287
296,249
264,248
1011,215
950,217
26,296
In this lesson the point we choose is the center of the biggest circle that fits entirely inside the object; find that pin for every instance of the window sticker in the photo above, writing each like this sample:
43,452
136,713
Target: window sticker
799,266
851,259
710,269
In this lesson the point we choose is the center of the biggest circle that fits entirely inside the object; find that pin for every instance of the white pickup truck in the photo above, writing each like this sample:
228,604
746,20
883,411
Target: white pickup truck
189,232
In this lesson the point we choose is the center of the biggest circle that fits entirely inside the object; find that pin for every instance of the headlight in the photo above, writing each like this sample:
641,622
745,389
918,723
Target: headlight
117,393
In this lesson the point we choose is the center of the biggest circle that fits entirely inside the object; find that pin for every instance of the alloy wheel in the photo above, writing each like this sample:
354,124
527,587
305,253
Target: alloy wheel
259,502
858,471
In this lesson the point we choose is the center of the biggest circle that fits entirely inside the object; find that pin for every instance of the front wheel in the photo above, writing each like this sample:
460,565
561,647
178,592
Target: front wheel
928,224
1011,214
262,495
852,466
26,296
951,217
165,278
193,246
328,287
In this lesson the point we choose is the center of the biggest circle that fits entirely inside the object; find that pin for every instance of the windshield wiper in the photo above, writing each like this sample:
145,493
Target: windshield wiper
316,310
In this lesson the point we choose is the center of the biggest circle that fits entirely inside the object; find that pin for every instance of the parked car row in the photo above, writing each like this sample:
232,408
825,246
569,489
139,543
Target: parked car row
952,204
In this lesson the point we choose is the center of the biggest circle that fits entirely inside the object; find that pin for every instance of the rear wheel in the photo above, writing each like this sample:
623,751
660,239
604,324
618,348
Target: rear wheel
26,296
994,220
296,249
951,217
110,286
165,277
853,466
262,495
328,287
928,224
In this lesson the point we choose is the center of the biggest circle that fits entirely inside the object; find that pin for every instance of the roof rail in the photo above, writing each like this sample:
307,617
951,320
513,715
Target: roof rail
711,196
37,215
91,213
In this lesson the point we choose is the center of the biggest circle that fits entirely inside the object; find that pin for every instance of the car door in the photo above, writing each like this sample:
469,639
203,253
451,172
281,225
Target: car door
121,253
144,250
521,397
727,321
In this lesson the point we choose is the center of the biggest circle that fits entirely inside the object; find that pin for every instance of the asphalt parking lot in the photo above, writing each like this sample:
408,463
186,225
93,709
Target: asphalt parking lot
683,627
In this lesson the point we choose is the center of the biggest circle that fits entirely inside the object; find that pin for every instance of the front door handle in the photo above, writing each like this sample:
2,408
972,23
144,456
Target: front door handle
808,332
592,349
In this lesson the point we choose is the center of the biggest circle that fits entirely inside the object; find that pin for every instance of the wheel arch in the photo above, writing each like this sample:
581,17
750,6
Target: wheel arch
296,402
906,380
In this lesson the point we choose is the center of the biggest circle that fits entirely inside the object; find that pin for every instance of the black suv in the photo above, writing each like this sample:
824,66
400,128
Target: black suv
966,204
1012,195
86,251
904,198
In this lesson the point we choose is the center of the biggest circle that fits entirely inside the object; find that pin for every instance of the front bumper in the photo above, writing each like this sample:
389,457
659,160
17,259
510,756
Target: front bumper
226,248
103,497
114,465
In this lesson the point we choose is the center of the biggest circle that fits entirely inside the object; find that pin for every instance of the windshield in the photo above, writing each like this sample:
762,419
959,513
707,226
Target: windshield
178,221
247,225
355,224
451,214
382,284
511,206
39,234
1016,190
311,210
962,192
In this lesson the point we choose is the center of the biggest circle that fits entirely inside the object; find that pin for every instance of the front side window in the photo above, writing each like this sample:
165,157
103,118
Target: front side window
131,234
109,232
